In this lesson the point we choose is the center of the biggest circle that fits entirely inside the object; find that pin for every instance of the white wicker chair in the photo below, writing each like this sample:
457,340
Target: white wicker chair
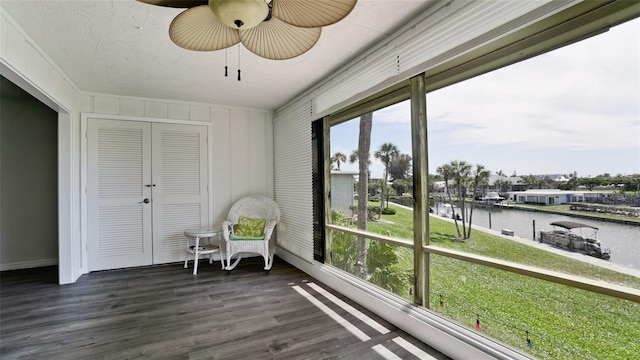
253,207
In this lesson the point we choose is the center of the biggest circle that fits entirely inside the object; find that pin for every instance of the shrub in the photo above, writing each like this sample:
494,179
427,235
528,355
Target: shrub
337,218
402,200
388,211
372,212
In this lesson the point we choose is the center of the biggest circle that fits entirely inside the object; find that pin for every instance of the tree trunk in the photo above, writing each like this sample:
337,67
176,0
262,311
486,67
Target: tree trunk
364,144
470,219
453,209
461,197
382,194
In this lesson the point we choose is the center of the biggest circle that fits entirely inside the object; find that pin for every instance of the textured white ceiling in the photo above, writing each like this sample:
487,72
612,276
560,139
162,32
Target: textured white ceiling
122,47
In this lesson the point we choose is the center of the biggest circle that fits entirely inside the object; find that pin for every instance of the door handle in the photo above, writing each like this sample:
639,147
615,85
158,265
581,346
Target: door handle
146,201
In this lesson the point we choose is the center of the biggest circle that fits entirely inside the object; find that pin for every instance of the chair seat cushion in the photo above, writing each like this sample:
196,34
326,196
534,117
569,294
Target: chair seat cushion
250,227
245,237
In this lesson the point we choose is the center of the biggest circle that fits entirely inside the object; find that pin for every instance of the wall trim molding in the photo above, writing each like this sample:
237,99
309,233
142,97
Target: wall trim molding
28,264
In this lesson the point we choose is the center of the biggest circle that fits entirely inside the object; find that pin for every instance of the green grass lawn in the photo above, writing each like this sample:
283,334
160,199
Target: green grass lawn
563,322
399,225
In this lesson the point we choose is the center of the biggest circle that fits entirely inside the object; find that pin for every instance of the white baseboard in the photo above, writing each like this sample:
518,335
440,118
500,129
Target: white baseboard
28,264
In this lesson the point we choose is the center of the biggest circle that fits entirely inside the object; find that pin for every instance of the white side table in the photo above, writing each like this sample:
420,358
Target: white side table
201,249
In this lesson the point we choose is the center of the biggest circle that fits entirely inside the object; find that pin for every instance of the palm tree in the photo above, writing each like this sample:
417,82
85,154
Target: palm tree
343,246
480,177
447,173
499,185
402,186
384,269
461,171
353,158
343,251
386,152
338,158
400,167
364,145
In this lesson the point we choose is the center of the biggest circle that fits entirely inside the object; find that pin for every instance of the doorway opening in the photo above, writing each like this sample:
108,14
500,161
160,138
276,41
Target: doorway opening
29,235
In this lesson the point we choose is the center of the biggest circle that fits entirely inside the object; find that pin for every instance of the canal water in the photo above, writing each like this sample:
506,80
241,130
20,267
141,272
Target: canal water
623,240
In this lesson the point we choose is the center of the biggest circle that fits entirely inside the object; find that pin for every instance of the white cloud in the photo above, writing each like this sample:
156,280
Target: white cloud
582,97
575,108
397,113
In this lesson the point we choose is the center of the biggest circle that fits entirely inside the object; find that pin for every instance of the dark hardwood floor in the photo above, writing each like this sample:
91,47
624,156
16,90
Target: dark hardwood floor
165,312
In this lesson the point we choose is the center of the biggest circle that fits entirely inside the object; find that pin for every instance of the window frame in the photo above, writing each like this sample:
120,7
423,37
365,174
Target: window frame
579,20
576,23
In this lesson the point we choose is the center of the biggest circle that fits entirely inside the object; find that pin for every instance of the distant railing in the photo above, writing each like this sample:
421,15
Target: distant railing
615,200
606,209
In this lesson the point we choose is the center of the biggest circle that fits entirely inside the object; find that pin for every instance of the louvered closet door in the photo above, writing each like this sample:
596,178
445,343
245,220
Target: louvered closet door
180,197
119,167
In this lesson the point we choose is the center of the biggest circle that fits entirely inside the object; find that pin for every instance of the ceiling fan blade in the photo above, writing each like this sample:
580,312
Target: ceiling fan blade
176,3
200,30
312,13
276,40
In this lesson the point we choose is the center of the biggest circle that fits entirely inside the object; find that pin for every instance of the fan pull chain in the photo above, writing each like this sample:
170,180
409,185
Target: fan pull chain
397,61
226,62
238,62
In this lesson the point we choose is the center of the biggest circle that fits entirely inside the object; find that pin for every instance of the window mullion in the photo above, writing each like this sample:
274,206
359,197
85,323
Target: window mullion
420,189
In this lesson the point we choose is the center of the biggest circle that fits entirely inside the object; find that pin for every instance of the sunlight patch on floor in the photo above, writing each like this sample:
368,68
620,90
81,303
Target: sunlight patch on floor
353,311
339,319
385,353
378,348
412,348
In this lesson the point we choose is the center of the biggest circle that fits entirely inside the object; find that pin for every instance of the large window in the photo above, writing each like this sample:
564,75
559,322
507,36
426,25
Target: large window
371,191
562,126
552,139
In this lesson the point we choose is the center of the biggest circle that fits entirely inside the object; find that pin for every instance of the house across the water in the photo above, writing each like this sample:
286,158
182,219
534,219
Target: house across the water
552,196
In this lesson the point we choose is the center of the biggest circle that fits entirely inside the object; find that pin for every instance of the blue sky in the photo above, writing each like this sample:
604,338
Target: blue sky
573,109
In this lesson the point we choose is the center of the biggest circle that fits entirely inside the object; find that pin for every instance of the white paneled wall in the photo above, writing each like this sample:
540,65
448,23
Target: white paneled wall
148,108
240,143
242,157
221,159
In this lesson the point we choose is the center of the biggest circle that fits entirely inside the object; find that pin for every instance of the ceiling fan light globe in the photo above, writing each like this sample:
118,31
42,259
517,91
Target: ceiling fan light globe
240,14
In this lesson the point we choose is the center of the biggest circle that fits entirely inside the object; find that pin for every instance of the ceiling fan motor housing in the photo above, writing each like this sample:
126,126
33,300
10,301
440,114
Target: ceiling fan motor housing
240,14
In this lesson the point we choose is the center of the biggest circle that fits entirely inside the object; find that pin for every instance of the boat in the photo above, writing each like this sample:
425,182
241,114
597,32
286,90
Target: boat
447,213
571,236
490,200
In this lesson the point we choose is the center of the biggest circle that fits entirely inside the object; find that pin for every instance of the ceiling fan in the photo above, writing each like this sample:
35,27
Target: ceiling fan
272,29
